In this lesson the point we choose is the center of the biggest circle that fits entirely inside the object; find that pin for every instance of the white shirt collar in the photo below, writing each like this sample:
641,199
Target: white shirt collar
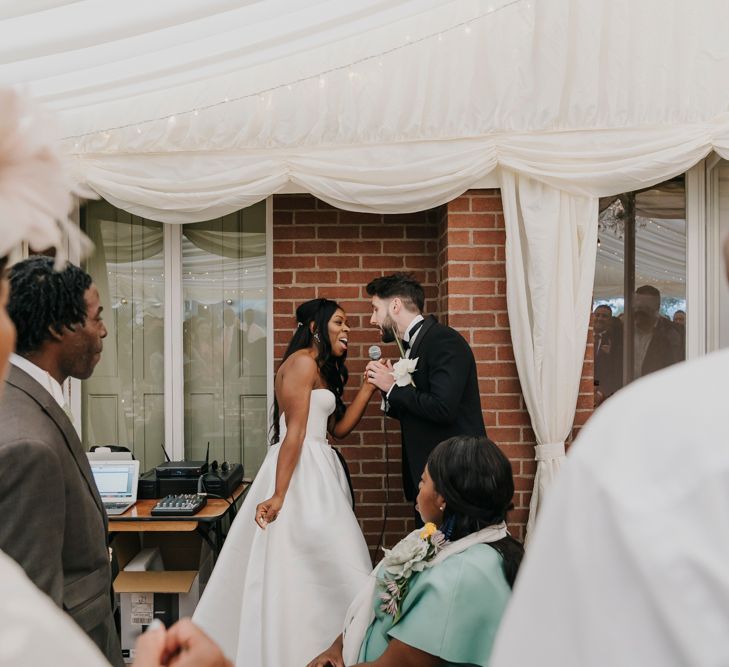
43,378
407,337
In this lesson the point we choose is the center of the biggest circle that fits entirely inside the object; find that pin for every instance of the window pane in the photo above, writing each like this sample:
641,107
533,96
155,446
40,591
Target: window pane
123,401
224,337
656,220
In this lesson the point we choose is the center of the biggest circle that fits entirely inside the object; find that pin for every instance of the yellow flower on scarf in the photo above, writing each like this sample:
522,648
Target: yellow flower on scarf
428,529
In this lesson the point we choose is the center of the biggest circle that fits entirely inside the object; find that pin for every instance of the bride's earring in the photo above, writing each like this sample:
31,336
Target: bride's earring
316,337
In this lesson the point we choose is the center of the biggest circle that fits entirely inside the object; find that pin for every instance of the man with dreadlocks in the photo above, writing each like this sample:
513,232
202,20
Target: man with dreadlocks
53,522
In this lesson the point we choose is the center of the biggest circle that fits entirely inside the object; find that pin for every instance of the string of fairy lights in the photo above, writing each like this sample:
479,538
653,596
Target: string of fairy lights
466,27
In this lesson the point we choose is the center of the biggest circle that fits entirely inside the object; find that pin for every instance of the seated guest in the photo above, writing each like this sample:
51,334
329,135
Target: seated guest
438,596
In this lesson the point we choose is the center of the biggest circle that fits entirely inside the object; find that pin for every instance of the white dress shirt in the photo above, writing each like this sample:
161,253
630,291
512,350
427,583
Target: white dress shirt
409,340
43,378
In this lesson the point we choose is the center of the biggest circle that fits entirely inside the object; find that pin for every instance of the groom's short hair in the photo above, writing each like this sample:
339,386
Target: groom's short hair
402,285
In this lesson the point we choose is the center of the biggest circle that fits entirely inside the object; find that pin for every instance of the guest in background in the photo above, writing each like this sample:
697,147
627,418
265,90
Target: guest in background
657,341
608,353
679,317
428,605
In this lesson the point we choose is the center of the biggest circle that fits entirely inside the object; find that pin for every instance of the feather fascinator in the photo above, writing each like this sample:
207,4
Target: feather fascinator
36,194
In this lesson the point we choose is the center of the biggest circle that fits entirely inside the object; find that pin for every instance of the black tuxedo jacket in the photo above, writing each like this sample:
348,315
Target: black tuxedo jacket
444,401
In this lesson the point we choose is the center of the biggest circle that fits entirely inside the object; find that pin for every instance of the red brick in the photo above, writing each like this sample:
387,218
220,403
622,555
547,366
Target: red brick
467,221
316,277
292,202
406,248
388,262
463,254
283,277
338,232
282,218
420,231
486,203
316,248
489,336
475,287
338,262
360,247
456,238
460,204
294,232
315,217
295,262
485,269
456,270
488,221
296,292
282,248
465,320
383,232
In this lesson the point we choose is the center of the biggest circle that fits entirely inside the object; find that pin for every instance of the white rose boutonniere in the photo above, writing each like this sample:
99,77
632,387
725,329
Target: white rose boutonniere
402,371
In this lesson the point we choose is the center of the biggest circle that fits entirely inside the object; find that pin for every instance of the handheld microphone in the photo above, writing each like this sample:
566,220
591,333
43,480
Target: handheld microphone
374,353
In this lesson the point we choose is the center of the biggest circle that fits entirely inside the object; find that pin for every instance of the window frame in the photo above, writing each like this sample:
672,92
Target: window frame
174,394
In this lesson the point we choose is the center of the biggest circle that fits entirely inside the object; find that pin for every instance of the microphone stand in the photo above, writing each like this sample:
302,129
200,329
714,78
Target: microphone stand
387,477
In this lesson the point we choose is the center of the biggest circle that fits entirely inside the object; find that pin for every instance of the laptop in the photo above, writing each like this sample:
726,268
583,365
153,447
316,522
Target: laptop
117,483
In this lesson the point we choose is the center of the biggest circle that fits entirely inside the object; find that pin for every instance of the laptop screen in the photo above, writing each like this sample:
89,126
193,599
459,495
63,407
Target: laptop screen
115,479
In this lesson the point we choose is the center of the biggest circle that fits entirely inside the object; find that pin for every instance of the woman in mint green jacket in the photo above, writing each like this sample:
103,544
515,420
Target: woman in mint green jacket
438,596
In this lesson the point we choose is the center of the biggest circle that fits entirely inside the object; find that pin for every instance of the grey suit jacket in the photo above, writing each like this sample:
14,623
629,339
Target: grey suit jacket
52,521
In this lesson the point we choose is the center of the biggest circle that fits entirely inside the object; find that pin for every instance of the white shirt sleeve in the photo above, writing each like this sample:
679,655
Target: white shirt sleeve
33,631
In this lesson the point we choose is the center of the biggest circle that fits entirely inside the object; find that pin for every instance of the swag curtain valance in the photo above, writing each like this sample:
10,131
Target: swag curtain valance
181,111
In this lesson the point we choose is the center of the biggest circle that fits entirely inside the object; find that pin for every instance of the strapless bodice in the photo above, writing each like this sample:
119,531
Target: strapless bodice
321,405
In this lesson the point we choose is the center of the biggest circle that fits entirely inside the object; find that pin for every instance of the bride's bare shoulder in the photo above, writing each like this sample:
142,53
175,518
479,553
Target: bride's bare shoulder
300,366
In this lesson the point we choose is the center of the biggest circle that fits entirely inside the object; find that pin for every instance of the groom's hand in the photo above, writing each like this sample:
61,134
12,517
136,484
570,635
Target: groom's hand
380,375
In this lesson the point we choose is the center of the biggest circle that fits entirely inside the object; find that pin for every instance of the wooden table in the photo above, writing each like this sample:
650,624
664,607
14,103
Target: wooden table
138,518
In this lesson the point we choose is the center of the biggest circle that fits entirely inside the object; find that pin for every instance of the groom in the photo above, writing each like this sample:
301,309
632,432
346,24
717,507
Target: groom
443,399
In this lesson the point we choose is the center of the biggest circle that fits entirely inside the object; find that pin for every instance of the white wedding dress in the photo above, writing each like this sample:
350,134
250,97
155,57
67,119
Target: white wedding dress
277,597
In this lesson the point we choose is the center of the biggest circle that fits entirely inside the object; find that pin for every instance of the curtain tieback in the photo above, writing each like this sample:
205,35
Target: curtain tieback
549,451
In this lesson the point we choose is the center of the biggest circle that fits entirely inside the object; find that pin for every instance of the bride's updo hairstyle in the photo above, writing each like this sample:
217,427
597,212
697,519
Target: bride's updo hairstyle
474,477
312,330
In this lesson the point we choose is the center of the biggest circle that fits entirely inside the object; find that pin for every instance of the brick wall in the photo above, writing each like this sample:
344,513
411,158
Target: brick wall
457,252
321,251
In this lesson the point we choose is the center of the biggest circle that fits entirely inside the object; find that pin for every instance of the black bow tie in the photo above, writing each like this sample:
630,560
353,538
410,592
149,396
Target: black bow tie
405,343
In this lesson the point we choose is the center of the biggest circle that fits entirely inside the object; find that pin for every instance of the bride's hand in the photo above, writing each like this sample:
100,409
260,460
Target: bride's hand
268,510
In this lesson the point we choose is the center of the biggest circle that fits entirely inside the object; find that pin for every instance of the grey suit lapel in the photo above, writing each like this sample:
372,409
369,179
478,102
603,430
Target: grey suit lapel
427,325
21,380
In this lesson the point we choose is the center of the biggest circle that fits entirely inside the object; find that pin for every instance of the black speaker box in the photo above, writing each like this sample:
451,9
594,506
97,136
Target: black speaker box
147,487
222,483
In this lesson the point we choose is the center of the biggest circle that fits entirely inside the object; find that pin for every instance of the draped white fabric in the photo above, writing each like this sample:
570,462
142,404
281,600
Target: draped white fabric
181,111
373,106
551,238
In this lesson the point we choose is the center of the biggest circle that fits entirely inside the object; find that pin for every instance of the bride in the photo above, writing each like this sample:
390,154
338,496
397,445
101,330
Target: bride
294,557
